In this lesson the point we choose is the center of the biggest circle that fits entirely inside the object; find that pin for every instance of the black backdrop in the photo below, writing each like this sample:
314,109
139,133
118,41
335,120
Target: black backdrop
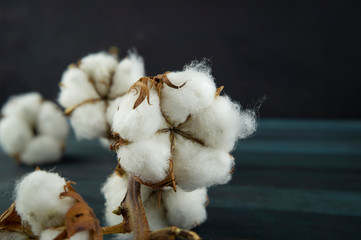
304,56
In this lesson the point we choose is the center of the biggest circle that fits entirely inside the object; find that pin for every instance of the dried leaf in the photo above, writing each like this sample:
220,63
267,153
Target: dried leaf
119,171
11,221
147,83
80,217
219,90
118,142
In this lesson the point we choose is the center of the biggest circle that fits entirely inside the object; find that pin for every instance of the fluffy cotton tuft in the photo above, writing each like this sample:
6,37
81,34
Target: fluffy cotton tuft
92,91
147,159
221,124
197,93
15,134
185,209
196,166
42,149
6,235
33,134
140,123
75,88
51,122
25,106
38,202
129,70
89,121
100,68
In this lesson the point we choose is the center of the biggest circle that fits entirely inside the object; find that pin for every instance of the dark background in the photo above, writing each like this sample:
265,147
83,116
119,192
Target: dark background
304,56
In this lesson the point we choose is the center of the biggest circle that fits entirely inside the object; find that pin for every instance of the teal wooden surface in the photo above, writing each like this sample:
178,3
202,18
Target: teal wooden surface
294,179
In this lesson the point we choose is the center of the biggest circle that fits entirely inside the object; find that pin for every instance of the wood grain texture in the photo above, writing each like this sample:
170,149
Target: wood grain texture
294,179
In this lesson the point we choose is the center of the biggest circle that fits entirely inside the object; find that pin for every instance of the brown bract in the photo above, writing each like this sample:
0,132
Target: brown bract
11,221
80,217
147,83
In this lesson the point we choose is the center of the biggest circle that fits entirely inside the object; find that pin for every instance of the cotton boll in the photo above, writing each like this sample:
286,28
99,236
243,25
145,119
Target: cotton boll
42,149
51,122
129,70
38,201
155,214
14,135
112,109
140,123
75,88
6,235
185,209
89,121
147,159
196,166
197,93
99,67
221,124
25,106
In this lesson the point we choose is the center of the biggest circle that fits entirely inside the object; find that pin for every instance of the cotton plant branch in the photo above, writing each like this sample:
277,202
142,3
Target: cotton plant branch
136,221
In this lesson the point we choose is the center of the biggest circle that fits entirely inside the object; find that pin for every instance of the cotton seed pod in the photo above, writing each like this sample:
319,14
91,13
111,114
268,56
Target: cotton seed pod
201,128
33,131
90,91
38,202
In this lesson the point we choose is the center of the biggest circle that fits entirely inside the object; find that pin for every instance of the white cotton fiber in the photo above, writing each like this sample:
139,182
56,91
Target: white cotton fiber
75,88
155,214
147,159
185,209
6,235
100,67
52,233
196,166
114,191
42,149
51,122
221,124
140,123
14,135
38,202
197,93
112,109
129,70
89,121
25,106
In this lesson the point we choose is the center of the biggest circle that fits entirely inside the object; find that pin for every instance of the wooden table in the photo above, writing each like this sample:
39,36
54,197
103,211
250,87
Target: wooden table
295,179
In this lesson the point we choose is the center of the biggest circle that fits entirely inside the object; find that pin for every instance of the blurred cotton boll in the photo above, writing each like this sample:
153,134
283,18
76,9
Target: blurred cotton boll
32,130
